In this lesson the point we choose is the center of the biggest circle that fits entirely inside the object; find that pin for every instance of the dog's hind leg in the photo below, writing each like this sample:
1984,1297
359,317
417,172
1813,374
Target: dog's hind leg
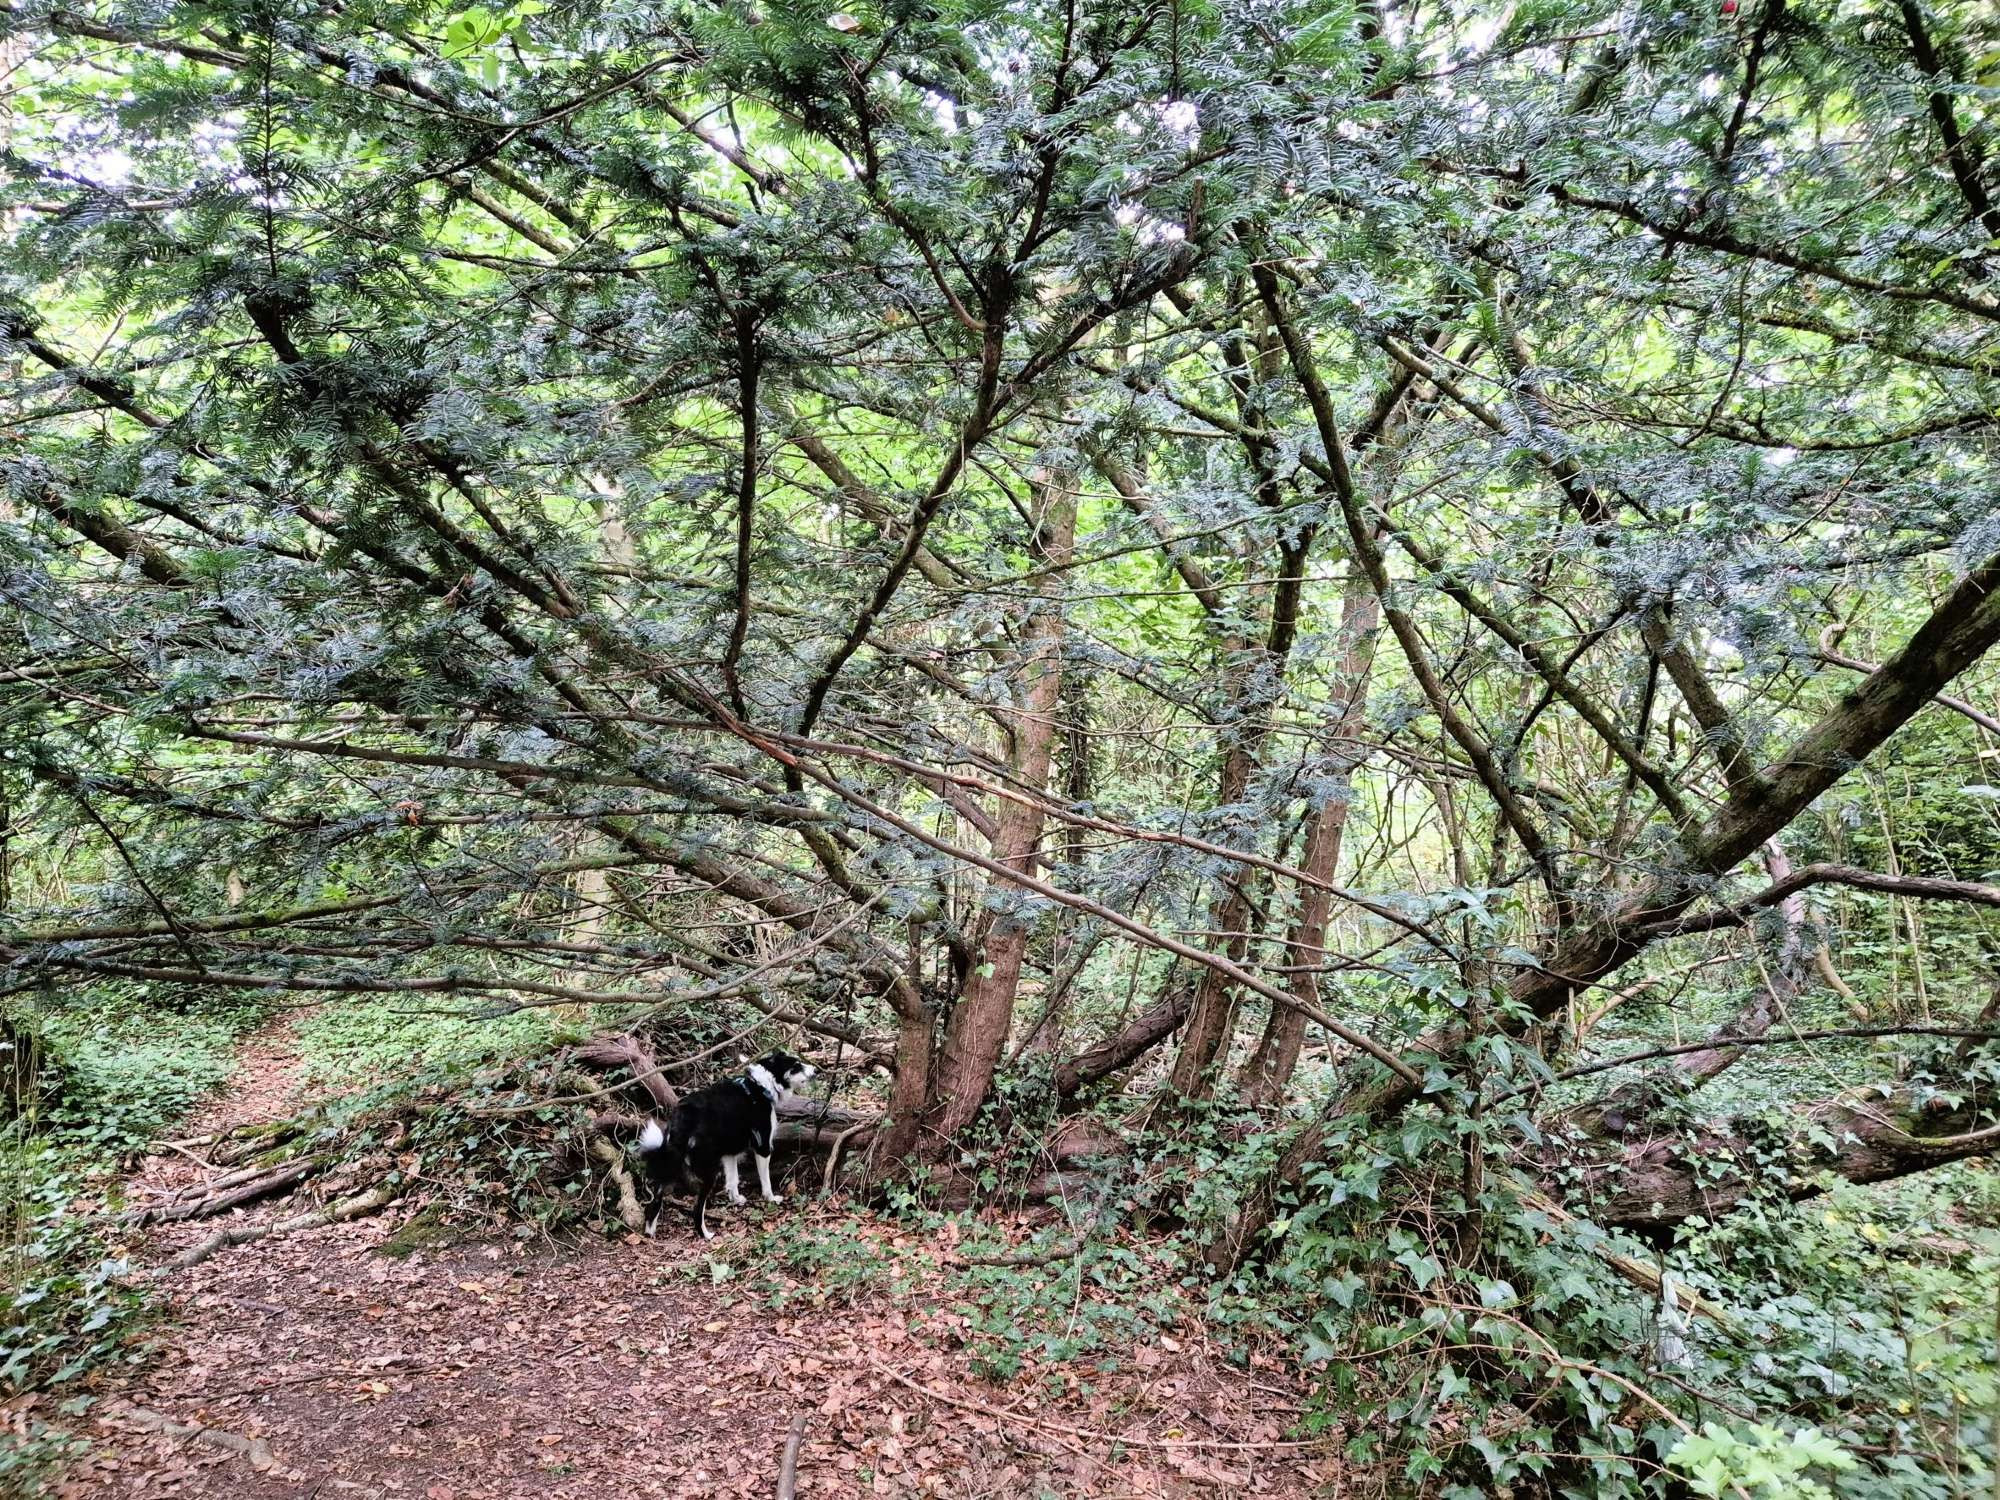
732,1168
701,1210
764,1180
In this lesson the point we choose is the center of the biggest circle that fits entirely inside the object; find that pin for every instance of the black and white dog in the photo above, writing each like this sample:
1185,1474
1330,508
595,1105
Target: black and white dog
719,1126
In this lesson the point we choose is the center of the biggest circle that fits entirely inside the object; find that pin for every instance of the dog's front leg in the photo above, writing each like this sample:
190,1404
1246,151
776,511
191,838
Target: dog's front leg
732,1166
764,1180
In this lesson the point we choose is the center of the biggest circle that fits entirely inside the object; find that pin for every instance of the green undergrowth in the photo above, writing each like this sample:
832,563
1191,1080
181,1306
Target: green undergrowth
1063,1297
1850,1347
1846,1345
1466,1347
119,1068
391,1044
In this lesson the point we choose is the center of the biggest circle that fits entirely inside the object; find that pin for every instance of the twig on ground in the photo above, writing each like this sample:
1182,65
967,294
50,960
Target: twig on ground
228,1192
1026,1257
788,1470
201,1161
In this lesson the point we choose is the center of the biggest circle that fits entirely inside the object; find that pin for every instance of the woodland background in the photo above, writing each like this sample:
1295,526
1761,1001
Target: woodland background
1353,639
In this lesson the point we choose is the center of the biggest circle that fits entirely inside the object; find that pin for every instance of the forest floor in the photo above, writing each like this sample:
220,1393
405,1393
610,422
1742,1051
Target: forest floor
320,1364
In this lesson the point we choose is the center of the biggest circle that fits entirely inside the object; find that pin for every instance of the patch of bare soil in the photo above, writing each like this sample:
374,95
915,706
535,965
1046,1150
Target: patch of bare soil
315,1365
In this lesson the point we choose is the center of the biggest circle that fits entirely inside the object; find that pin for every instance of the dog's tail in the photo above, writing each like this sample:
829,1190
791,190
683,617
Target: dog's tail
659,1167
659,1156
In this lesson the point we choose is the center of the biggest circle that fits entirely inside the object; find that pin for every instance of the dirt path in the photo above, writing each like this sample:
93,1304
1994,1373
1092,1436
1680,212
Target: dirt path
316,1365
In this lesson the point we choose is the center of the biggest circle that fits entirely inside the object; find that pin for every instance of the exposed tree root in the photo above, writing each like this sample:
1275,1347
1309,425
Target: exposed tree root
629,1213
788,1468
255,1450
231,1190
833,1152
376,1197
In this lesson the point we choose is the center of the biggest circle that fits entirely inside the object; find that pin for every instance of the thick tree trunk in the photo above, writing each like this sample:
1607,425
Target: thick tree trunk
1214,999
977,1032
1213,1005
1270,1067
23,1074
1662,1183
1072,950
910,1091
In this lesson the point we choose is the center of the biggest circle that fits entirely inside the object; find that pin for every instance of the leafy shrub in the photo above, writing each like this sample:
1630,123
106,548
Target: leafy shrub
1502,1347
130,1065
63,1307
33,1457
1759,1459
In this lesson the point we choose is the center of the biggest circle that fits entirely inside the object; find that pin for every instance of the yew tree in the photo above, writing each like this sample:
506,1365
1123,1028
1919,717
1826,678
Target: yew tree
1115,543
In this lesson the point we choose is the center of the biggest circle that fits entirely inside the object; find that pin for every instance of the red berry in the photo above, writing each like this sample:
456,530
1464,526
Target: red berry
1729,7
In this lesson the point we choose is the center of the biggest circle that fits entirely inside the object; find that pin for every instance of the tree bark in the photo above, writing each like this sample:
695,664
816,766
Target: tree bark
1130,1042
977,1032
1623,1109
1662,1183
1270,1067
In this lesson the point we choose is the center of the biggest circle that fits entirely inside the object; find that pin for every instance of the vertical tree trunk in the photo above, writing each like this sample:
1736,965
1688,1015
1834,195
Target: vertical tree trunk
1228,918
977,1032
1072,949
1270,1066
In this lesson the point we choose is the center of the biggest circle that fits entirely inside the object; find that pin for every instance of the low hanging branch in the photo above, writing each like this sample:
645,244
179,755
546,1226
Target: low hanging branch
1920,887
1826,1034
807,1124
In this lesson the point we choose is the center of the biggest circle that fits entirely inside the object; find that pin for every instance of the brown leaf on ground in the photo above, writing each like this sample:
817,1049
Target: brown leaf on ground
501,1371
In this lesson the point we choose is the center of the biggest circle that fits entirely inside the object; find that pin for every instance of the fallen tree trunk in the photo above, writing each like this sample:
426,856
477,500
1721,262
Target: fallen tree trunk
1128,1044
1653,1187
803,1124
609,1052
